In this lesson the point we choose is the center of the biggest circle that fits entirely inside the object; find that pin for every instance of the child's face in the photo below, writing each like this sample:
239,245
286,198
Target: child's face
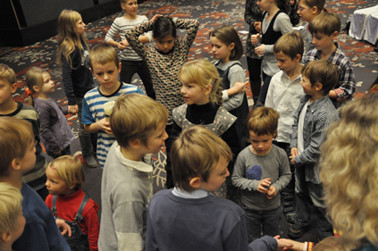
156,140
306,12
130,7
165,44
220,49
16,233
217,176
55,184
261,144
194,94
307,87
27,162
48,85
322,41
107,75
80,27
285,62
6,90
264,4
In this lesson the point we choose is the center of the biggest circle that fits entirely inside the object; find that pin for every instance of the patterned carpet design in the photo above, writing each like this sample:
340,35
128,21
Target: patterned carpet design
211,14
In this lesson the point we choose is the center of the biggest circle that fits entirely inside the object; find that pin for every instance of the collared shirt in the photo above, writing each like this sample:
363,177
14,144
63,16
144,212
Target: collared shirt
284,96
347,83
196,194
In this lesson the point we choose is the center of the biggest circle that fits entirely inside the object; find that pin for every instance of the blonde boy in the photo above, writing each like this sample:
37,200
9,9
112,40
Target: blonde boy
105,66
311,120
17,154
12,221
261,171
324,29
188,217
283,95
138,123
8,107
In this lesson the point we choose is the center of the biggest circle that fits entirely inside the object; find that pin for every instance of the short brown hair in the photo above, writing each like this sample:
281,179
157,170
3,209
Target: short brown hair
263,121
319,4
70,170
290,44
325,23
136,116
16,136
7,73
322,71
194,154
102,54
227,35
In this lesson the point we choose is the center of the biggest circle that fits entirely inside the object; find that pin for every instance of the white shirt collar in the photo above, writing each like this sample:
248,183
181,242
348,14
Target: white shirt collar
196,194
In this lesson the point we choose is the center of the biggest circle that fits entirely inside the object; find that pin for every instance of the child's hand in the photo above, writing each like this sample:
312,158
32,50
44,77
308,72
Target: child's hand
263,185
255,38
63,227
294,152
260,50
286,244
272,191
238,87
257,26
73,109
122,45
154,18
104,125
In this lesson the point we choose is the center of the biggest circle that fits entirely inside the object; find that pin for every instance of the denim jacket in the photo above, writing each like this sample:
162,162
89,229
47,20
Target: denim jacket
318,116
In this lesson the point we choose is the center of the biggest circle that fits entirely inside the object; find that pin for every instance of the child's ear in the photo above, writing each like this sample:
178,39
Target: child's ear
195,182
136,143
15,164
334,35
119,67
35,88
318,86
314,10
298,57
6,236
208,89
13,88
231,46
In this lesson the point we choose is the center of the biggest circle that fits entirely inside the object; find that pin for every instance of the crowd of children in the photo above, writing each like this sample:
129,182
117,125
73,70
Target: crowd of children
223,194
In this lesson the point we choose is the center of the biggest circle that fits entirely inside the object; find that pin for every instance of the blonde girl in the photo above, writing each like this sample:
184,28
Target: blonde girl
227,48
65,177
55,132
76,76
202,94
349,172
307,11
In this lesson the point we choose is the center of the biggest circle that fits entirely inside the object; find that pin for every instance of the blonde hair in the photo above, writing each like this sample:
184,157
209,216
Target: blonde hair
331,243
16,136
263,121
227,35
70,170
204,74
102,54
136,116
10,207
194,154
349,172
325,23
68,39
34,77
7,73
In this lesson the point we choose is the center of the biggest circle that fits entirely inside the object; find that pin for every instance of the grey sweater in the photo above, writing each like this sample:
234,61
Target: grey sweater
274,165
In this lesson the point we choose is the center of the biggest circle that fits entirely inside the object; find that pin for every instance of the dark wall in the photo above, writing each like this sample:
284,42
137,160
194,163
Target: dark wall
24,22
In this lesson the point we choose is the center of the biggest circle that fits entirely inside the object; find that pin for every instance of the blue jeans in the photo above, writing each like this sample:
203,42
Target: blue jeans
265,220
309,196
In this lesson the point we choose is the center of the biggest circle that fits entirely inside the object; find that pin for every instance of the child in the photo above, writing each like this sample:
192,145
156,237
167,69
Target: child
12,221
188,217
202,93
261,171
56,134
105,66
324,29
65,177
165,59
228,48
77,78
274,24
308,10
349,173
253,17
8,107
131,62
138,123
17,154
283,95
311,119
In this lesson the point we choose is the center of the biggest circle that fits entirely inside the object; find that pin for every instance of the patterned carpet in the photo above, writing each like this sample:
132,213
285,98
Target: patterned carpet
211,14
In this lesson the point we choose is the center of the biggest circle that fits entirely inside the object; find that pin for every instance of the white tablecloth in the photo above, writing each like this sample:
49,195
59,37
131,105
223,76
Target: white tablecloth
364,24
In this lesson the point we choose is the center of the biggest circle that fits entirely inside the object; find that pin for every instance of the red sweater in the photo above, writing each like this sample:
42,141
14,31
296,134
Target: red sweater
67,207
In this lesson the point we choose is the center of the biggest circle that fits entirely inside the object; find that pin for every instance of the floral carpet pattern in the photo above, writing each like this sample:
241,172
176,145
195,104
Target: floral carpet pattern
211,14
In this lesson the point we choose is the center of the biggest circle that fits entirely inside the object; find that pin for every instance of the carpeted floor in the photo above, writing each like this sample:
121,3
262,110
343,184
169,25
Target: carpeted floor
211,14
